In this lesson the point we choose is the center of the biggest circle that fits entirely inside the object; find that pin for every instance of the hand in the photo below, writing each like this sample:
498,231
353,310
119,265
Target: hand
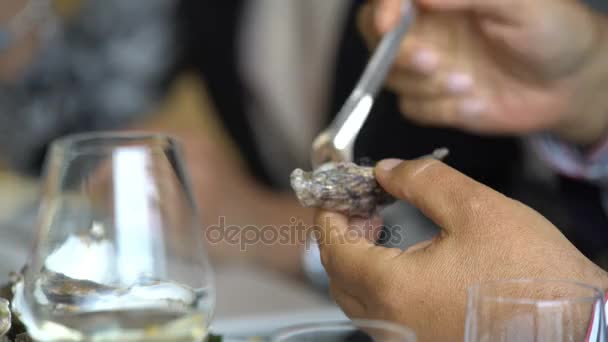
500,66
484,236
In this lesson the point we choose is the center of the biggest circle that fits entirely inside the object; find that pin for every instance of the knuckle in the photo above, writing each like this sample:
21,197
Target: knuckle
473,209
480,209
476,203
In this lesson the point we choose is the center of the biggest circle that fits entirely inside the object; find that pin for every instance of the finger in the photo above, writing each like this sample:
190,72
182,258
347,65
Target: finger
454,201
339,248
447,111
365,22
500,9
387,14
417,58
407,84
351,306
349,259
370,229
430,112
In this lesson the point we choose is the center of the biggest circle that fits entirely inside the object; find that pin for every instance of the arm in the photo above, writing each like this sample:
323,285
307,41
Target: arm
226,191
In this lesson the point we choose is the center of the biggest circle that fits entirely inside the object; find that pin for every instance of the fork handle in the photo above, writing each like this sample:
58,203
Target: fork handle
375,73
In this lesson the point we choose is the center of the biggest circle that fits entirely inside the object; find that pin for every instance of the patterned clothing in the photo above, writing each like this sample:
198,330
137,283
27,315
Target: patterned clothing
101,70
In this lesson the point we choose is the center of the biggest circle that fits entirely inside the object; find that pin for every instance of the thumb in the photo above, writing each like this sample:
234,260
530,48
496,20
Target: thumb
446,196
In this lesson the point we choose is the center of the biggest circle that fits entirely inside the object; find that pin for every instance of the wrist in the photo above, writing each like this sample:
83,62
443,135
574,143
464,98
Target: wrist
586,120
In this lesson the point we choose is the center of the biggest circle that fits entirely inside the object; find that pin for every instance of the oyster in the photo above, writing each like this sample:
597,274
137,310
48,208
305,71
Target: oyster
345,187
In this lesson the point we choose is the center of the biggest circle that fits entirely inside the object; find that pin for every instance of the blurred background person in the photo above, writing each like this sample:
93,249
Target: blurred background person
70,66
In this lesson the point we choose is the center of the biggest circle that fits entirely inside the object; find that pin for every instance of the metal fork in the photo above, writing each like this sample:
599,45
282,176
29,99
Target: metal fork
336,142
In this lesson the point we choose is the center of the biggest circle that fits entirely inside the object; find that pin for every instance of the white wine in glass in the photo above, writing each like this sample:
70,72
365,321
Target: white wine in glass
120,252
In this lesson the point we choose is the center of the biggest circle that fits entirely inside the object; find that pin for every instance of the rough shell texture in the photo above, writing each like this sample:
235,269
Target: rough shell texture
344,187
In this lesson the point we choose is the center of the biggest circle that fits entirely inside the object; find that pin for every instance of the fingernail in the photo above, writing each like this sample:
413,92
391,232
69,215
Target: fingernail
389,164
458,83
472,108
425,60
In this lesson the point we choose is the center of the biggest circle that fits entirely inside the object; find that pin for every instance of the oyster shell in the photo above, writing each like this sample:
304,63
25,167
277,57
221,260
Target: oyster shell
345,187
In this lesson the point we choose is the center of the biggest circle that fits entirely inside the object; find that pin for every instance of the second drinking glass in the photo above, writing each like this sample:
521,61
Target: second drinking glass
535,311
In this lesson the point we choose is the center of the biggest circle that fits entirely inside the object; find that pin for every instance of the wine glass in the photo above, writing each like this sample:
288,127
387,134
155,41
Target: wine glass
120,253
355,331
535,310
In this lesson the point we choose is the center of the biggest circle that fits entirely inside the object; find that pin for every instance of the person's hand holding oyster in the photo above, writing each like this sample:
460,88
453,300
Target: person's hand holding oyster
345,187
484,236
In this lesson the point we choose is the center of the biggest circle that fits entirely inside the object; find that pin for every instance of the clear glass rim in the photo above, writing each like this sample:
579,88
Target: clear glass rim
299,329
75,144
591,298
